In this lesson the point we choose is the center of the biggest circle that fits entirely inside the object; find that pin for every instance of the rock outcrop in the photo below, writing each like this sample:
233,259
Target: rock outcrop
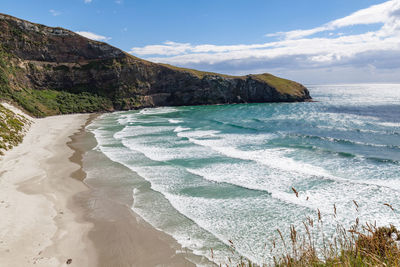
42,67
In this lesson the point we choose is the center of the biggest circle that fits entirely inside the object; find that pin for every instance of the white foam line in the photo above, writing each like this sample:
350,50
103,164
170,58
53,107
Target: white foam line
268,157
289,198
155,111
173,199
390,124
130,131
272,158
174,121
181,129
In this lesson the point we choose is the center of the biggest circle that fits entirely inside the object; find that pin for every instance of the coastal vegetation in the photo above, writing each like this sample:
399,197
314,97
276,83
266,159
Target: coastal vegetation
45,102
356,245
41,103
12,129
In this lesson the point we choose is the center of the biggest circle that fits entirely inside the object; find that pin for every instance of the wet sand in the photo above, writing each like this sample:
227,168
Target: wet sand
120,237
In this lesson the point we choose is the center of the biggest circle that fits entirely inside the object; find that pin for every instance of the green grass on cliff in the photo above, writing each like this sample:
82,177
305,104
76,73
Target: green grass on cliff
283,86
41,103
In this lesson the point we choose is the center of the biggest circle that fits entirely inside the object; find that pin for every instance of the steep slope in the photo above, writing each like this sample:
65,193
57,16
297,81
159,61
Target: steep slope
52,70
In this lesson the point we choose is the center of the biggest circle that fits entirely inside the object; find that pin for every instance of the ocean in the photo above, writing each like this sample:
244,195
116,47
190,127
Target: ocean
213,176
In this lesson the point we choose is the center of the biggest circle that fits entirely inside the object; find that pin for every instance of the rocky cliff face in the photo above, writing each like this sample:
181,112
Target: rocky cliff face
43,66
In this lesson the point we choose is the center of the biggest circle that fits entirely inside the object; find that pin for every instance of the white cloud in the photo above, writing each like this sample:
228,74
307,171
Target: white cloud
87,1
93,36
371,15
54,12
298,49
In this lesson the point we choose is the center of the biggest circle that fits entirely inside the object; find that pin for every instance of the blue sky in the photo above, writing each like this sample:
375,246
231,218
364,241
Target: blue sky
312,41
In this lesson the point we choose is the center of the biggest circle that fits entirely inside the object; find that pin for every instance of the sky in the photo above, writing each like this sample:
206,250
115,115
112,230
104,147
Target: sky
310,41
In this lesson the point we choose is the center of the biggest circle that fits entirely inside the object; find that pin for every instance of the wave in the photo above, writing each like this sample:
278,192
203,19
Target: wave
163,152
358,130
273,158
382,160
270,157
156,111
317,149
286,197
173,121
199,133
279,185
344,141
124,119
138,130
230,124
137,118
338,153
390,124
181,129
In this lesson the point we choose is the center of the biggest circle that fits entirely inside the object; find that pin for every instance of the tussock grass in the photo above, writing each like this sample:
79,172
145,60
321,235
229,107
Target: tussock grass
356,245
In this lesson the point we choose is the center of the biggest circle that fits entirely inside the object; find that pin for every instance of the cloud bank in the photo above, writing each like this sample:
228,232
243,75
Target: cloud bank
366,42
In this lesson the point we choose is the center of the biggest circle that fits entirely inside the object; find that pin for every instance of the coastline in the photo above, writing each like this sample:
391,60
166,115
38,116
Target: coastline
51,217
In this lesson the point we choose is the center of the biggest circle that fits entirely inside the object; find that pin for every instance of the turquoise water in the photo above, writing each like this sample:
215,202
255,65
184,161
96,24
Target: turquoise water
225,173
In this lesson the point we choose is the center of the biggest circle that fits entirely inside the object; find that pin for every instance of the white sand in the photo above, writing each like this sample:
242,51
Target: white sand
37,227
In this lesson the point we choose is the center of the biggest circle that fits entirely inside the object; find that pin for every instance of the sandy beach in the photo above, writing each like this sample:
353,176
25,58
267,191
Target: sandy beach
36,225
50,217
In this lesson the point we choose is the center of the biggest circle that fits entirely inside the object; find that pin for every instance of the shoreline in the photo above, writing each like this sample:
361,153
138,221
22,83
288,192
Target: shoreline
120,236
63,220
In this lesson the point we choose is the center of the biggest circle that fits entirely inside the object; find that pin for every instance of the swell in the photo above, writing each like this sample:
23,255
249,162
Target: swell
343,154
285,164
233,125
343,141
286,197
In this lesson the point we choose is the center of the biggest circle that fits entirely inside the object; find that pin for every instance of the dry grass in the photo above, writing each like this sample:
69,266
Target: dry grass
359,245
356,245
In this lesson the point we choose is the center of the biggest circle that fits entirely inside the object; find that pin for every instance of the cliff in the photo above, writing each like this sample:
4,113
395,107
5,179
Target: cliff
50,71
